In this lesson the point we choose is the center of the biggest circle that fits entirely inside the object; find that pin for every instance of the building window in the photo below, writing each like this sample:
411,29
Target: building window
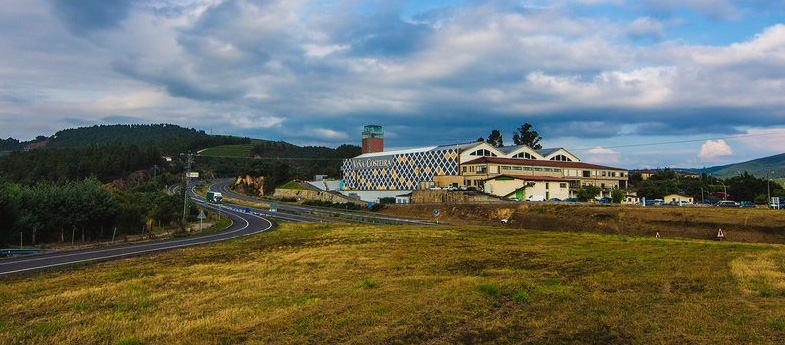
481,169
586,173
556,170
527,168
524,155
537,169
516,168
506,167
562,158
562,185
547,186
603,173
548,169
464,169
483,153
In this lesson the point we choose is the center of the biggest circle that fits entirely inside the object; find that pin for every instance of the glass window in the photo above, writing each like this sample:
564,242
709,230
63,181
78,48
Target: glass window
562,185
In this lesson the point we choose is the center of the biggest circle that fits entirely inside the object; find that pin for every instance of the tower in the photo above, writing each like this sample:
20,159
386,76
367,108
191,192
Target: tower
373,139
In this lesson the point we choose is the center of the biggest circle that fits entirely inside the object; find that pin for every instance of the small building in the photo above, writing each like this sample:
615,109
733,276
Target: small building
678,199
631,198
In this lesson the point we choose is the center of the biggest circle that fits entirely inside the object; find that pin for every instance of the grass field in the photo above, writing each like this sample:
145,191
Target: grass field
228,151
319,283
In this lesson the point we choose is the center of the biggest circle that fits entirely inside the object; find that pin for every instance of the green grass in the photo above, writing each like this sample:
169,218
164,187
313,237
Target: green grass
291,185
238,151
319,283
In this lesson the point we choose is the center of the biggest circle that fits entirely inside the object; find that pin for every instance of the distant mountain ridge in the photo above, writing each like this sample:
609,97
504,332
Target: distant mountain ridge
773,165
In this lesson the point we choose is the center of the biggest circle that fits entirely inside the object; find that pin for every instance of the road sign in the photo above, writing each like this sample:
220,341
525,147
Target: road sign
435,212
370,205
201,215
193,175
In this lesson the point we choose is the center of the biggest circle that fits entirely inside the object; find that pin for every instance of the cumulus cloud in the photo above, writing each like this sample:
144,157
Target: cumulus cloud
645,27
712,149
329,134
601,155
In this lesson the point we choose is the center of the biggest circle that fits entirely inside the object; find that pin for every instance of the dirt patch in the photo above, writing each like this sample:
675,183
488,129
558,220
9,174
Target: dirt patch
741,225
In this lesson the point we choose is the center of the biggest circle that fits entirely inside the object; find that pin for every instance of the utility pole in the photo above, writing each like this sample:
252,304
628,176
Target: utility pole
768,188
188,158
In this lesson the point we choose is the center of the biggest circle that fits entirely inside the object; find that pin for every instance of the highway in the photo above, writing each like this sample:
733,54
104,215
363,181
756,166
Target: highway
223,186
243,224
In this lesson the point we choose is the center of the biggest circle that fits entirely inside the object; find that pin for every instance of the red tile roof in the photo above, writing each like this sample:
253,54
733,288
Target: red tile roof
537,162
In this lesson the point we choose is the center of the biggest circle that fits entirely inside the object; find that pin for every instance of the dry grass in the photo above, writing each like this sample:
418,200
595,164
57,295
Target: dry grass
318,283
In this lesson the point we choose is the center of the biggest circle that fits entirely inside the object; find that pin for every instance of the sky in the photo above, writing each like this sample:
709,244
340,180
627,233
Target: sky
631,84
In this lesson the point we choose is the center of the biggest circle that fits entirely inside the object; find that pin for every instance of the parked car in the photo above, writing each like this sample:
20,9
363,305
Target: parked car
535,198
570,200
605,200
727,203
554,200
746,204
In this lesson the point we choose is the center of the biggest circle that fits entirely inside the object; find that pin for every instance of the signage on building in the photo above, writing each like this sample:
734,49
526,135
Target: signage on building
368,163
193,175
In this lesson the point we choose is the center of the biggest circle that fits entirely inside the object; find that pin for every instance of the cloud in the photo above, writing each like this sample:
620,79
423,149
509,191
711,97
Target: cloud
645,28
83,17
247,122
329,134
712,149
601,155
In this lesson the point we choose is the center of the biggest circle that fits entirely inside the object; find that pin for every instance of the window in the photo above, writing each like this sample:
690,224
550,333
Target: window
547,185
506,167
516,168
562,185
524,155
537,169
483,153
548,169
481,169
603,173
464,169
556,170
586,173
527,168
562,158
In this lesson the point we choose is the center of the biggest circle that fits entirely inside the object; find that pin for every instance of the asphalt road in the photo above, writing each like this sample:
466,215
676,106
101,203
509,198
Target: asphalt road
243,224
223,187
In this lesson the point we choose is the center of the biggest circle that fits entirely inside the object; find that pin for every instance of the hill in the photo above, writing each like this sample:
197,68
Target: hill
774,165
350,284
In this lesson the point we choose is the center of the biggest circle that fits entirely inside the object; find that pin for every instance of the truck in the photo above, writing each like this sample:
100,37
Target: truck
214,197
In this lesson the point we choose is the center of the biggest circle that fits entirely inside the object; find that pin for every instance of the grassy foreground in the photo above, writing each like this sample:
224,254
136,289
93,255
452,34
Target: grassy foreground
315,283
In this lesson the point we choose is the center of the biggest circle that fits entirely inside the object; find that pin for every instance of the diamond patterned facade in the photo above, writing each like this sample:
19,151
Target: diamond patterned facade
398,171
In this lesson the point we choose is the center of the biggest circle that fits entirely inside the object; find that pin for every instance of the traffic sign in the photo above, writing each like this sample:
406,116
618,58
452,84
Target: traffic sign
201,215
435,212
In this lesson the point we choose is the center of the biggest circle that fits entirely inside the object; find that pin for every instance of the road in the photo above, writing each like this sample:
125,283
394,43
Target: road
223,187
243,224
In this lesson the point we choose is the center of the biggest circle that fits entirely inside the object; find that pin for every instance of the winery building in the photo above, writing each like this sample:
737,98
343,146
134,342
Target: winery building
512,172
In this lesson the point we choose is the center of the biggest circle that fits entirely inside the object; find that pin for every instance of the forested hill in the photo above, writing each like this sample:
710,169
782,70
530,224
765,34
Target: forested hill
774,165
170,139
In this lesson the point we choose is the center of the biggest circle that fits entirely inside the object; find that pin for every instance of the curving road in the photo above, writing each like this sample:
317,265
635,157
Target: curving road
243,224
223,187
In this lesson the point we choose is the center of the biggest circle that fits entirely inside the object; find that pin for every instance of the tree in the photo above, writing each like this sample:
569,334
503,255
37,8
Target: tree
618,196
587,193
525,136
495,138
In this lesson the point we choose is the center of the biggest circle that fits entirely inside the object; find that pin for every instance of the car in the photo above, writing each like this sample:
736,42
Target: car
554,200
571,200
746,204
727,203
604,200
535,198
515,199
